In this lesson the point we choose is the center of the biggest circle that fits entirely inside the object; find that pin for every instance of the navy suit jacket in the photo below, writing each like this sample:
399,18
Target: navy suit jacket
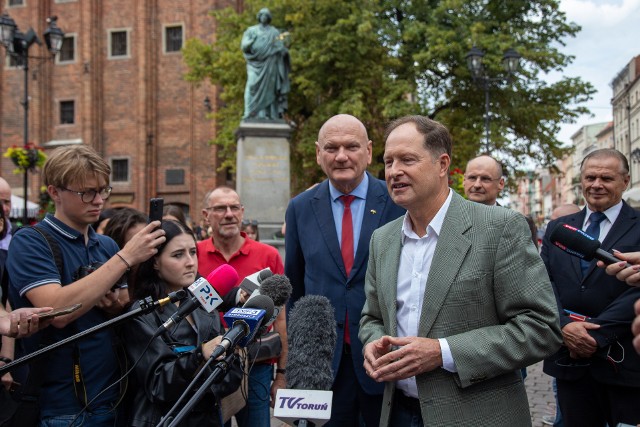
313,261
608,301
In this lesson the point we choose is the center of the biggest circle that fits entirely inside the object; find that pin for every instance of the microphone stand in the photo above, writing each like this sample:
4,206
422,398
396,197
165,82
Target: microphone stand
146,305
217,375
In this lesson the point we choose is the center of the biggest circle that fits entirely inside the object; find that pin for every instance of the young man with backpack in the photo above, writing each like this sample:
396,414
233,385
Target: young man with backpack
77,180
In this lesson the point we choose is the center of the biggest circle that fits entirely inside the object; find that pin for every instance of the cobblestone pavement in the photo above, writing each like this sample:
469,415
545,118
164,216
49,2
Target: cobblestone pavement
539,391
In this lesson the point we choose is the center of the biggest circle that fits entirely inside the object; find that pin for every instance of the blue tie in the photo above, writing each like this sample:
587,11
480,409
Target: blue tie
592,230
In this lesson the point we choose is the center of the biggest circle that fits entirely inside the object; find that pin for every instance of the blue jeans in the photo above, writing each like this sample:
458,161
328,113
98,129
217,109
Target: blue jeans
558,421
98,418
256,412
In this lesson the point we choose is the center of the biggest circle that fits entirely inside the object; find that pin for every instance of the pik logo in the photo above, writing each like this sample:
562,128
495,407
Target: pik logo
208,295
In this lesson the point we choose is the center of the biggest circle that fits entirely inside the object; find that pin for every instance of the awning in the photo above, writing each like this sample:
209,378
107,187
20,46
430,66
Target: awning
17,208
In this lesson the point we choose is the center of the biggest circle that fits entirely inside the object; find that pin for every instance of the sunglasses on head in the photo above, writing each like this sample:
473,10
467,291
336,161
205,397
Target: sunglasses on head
252,222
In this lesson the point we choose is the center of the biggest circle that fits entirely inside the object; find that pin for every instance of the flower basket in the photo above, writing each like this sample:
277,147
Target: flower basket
26,158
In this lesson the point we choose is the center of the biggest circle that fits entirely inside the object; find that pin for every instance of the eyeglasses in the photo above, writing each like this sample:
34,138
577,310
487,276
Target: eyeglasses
89,195
253,222
483,179
222,209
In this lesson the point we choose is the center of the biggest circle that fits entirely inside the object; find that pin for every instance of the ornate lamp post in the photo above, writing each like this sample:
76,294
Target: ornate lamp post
17,45
510,62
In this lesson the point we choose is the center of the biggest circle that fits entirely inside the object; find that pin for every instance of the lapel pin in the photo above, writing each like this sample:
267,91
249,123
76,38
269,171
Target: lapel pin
373,211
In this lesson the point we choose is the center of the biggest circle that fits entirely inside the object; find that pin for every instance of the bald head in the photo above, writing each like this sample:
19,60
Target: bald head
342,121
483,180
343,151
5,196
564,210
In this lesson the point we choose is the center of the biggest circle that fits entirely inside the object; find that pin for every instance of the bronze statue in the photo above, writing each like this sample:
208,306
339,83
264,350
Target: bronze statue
268,65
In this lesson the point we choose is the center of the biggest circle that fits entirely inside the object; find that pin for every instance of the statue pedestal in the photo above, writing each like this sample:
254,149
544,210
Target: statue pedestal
262,174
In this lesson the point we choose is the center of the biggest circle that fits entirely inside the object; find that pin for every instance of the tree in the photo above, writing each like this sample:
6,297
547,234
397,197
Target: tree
381,59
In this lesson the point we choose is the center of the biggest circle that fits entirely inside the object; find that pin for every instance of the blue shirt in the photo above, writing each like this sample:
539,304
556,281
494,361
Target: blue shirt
31,264
357,209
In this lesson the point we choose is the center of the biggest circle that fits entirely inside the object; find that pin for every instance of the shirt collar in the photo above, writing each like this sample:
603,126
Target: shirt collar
360,191
611,213
435,225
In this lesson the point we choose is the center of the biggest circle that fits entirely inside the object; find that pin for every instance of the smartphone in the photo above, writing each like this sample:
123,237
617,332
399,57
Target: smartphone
59,311
156,205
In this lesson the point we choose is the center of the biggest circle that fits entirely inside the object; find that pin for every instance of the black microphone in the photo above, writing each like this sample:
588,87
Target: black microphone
253,281
204,295
244,323
579,244
278,288
312,339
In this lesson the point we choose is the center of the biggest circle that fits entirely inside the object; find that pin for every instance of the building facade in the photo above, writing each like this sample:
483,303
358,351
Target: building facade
118,85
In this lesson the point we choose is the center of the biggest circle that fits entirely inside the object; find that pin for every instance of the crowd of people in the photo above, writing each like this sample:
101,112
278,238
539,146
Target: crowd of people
440,301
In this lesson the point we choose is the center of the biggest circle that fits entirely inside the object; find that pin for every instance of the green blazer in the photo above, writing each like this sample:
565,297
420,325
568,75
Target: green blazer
489,295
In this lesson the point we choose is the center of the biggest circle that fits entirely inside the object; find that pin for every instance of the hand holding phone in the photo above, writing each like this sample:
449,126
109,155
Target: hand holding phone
59,312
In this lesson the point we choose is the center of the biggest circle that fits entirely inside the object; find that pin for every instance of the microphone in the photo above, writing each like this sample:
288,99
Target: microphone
278,288
244,323
204,295
253,281
312,339
579,244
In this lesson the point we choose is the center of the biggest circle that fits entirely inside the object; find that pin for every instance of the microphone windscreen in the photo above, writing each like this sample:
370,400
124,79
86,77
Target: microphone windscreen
261,302
265,273
278,288
574,241
223,279
311,339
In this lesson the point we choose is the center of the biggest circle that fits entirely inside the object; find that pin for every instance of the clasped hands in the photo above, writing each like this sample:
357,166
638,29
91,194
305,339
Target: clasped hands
577,339
397,358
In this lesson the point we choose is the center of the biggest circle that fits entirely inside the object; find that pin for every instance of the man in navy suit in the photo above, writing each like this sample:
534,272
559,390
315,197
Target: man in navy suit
314,260
597,370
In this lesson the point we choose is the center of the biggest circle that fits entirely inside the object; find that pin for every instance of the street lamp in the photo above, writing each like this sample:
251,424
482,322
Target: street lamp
17,45
510,62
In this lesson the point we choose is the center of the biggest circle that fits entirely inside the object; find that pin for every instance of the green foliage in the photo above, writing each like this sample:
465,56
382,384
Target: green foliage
381,59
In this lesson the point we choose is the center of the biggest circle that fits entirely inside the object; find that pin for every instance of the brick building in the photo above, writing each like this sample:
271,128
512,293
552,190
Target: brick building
117,85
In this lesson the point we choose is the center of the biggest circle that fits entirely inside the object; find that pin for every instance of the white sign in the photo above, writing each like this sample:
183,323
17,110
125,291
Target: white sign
310,405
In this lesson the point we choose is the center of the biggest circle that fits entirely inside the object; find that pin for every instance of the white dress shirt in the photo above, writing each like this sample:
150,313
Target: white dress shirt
413,271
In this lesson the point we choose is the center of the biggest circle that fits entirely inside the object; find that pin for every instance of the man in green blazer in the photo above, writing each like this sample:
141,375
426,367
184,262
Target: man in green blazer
457,297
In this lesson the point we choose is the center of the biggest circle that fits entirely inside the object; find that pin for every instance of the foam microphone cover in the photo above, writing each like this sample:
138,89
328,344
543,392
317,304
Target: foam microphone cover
262,302
278,288
312,339
223,279
574,241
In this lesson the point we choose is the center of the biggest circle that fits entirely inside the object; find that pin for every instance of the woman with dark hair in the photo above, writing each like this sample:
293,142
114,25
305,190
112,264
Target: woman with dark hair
121,227
172,359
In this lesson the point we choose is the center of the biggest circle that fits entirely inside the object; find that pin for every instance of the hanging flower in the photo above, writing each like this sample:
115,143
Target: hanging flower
456,178
26,158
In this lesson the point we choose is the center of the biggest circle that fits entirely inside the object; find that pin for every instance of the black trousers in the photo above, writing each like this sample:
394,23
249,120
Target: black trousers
350,403
586,402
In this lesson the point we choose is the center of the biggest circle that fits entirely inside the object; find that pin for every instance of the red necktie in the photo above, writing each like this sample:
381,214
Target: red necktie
347,250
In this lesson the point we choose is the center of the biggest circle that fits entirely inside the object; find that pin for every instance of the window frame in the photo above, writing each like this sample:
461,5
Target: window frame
111,163
60,102
165,28
110,32
75,50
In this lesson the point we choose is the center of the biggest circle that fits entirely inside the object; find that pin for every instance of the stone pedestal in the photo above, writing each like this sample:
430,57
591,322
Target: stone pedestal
263,173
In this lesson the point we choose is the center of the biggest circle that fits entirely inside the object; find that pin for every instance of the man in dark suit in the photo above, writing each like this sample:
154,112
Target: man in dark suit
483,180
597,371
315,260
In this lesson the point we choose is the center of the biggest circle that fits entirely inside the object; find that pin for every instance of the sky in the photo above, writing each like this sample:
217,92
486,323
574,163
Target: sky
609,39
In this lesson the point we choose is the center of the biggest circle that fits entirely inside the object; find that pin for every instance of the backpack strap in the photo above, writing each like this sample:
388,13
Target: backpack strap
53,246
